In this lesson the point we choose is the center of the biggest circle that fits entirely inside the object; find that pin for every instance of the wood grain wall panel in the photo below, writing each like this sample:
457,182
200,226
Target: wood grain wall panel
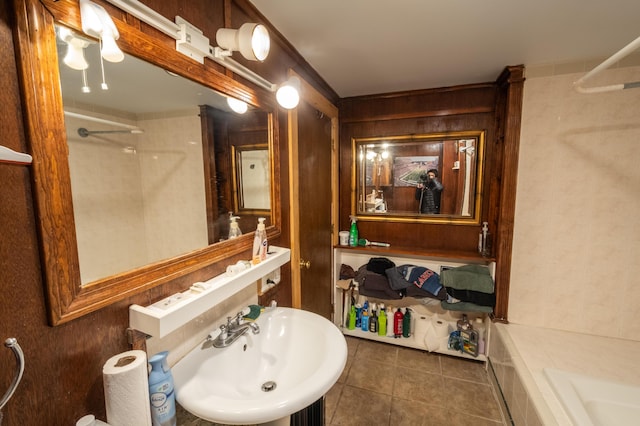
63,376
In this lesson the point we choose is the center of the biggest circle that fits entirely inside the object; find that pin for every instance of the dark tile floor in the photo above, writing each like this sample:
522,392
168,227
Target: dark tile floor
384,384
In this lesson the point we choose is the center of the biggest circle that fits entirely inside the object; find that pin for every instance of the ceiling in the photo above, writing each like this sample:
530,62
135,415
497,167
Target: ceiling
362,47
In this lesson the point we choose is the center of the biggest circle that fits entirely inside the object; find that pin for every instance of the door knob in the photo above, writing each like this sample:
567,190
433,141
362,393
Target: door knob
305,264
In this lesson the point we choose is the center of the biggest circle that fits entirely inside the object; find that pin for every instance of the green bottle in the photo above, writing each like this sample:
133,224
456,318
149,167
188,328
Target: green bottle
353,233
406,323
352,318
382,321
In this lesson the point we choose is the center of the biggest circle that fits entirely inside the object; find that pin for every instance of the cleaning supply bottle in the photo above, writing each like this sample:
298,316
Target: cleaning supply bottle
390,319
406,323
163,398
260,244
382,321
486,240
234,229
397,323
364,324
373,320
353,233
352,318
479,327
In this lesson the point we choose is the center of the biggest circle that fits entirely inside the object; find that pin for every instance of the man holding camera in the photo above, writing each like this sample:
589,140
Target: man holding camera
428,192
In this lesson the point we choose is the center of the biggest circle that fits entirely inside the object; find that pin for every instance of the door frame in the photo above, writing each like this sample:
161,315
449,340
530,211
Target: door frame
314,98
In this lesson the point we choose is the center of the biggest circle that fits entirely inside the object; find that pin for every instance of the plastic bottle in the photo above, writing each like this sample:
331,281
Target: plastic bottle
390,317
163,398
260,244
397,323
486,240
352,318
353,233
382,321
463,323
234,229
364,322
373,319
406,323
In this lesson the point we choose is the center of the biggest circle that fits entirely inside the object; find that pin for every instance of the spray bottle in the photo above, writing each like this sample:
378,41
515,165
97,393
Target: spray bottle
234,229
260,244
163,398
353,233
373,320
390,318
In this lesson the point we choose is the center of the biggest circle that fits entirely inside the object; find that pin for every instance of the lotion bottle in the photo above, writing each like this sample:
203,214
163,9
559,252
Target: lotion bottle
163,398
260,244
234,229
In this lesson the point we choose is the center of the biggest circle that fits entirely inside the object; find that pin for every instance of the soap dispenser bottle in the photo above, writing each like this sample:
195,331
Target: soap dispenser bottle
234,229
260,243
353,233
163,399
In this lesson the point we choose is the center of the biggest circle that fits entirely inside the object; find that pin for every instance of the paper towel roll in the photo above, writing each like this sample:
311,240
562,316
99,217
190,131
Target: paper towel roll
441,327
126,389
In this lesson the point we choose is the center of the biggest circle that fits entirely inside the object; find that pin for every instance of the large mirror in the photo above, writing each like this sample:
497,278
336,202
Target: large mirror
138,162
433,178
105,171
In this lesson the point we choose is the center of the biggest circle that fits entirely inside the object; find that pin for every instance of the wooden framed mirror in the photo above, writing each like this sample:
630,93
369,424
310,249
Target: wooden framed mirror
69,295
427,178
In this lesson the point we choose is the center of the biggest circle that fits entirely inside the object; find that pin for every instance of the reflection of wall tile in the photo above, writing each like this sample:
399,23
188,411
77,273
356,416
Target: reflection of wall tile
576,229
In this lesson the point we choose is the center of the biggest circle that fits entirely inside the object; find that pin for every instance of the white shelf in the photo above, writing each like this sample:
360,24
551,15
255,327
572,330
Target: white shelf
170,313
409,342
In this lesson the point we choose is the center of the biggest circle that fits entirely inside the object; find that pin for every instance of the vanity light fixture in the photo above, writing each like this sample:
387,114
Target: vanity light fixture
237,105
97,23
288,94
74,58
251,40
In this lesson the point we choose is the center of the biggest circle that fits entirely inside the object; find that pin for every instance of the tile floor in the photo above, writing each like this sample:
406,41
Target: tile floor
384,384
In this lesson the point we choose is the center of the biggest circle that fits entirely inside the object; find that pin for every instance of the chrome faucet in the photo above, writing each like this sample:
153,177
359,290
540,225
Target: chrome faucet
230,332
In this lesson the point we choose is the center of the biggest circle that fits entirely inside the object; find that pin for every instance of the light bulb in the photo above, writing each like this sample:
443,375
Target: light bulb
288,95
74,57
260,42
110,50
237,105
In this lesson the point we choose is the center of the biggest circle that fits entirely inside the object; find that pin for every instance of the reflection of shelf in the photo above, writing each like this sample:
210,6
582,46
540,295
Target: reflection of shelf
10,156
170,313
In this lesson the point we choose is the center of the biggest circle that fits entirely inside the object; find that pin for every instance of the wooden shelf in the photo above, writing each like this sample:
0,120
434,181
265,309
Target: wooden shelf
457,256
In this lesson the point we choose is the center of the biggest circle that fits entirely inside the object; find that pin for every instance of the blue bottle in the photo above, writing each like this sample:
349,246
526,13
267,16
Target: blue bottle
163,398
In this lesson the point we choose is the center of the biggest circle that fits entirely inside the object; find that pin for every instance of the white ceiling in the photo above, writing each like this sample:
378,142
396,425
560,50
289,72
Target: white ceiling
365,47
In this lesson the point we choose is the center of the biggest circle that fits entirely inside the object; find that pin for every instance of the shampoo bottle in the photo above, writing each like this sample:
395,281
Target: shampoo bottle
163,399
234,229
390,318
260,244
397,324
373,320
382,321
353,233
406,323
352,318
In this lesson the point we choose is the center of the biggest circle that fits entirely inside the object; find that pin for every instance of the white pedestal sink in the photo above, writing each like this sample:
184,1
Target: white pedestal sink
294,360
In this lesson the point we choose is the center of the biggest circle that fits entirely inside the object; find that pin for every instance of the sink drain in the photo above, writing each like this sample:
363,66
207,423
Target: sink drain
268,386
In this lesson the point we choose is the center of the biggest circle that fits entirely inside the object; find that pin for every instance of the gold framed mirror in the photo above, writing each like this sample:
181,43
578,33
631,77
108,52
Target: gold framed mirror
251,179
427,178
69,296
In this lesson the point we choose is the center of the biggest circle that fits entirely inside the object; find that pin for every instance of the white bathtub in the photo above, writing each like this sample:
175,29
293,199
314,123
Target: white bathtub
552,377
593,402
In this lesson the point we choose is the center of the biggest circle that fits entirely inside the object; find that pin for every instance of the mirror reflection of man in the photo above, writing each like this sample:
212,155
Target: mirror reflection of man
428,192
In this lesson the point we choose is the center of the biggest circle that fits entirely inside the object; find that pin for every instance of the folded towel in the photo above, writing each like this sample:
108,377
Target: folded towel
468,277
476,297
466,307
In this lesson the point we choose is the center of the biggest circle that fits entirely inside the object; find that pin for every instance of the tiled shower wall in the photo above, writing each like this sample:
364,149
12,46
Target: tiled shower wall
577,227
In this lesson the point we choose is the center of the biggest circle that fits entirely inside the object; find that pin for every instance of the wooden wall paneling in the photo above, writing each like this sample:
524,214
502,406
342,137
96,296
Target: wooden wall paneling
511,82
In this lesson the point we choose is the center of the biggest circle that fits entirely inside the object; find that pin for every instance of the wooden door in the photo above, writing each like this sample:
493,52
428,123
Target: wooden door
313,162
